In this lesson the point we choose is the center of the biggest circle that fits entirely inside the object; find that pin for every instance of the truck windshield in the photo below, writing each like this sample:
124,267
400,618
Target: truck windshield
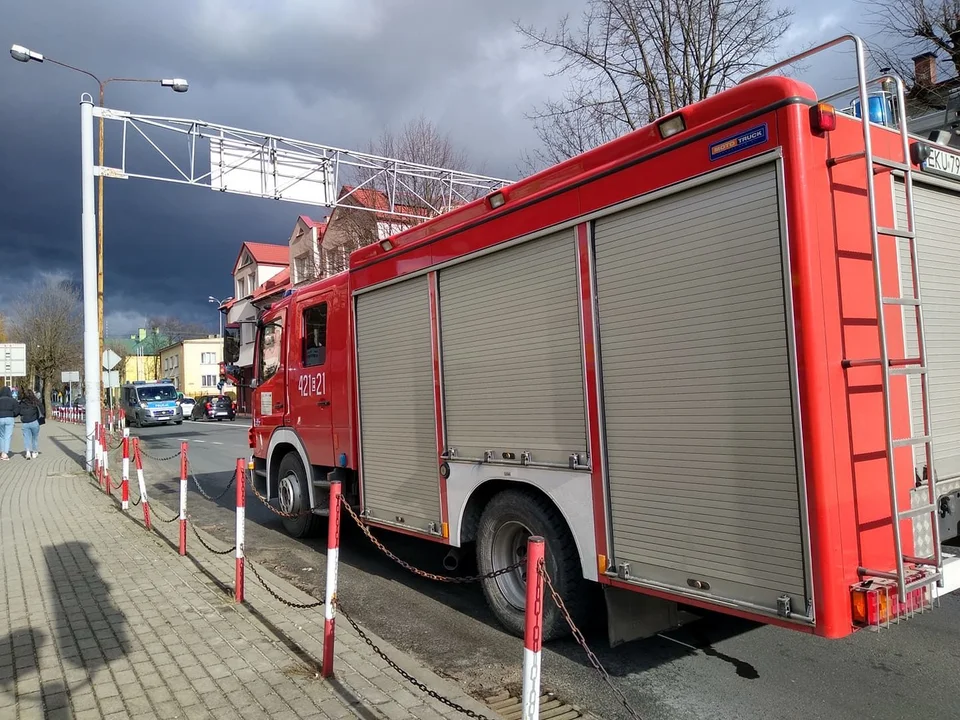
153,393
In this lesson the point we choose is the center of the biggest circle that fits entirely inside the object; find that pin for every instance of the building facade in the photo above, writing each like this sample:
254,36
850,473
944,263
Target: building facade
194,366
138,367
257,264
933,105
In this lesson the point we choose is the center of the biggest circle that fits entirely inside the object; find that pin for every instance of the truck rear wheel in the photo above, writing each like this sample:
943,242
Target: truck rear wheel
293,496
508,520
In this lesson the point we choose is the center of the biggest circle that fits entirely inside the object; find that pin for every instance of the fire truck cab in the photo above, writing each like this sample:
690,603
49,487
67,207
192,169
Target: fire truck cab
693,359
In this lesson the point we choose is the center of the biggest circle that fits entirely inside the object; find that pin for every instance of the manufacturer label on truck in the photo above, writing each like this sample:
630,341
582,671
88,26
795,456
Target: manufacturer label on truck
741,141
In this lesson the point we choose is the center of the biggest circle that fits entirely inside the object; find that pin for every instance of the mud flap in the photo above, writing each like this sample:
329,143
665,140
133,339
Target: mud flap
633,615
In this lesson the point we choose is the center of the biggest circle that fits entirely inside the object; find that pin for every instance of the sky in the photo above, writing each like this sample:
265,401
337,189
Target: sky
336,72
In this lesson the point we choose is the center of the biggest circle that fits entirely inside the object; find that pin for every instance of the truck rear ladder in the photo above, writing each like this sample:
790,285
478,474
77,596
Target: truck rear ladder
931,567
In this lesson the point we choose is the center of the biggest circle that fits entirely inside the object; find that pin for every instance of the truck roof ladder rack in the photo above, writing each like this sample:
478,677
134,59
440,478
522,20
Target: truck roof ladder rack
888,366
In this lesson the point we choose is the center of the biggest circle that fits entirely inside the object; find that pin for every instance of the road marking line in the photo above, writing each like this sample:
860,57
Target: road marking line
214,442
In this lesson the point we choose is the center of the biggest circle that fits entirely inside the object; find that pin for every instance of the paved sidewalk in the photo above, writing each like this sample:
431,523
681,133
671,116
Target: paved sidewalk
100,618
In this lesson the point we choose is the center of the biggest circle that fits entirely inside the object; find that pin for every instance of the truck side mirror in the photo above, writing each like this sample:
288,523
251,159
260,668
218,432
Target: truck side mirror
253,384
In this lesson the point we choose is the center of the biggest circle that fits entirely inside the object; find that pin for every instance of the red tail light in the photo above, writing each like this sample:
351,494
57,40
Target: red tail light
209,406
233,406
823,118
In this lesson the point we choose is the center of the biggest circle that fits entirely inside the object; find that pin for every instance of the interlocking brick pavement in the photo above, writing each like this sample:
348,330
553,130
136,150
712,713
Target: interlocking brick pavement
100,618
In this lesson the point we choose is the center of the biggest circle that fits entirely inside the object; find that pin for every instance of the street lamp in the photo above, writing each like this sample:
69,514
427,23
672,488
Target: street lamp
25,55
219,314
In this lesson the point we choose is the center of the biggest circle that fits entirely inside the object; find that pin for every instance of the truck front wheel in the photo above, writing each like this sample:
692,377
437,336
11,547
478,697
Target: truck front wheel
508,520
293,496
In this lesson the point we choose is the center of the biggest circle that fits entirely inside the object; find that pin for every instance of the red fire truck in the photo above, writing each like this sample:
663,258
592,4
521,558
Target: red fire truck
665,356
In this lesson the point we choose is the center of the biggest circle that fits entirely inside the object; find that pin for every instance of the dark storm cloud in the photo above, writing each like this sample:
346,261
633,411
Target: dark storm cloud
335,72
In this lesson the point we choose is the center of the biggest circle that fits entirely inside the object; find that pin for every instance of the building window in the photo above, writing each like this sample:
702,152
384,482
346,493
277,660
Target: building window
208,381
208,358
315,335
302,269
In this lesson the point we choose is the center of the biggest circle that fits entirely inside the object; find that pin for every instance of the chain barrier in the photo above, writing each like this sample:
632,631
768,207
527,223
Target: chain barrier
202,542
418,571
157,459
160,517
366,531
403,673
578,636
275,510
288,603
233,476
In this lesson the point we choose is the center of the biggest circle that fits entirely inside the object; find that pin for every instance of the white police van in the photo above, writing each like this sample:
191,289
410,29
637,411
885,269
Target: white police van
151,402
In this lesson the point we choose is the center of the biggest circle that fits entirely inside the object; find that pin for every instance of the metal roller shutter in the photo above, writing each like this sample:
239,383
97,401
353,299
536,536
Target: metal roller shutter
397,417
937,219
697,392
512,373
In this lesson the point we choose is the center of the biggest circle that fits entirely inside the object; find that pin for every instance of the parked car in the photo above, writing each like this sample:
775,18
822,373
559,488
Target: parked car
214,407
186,407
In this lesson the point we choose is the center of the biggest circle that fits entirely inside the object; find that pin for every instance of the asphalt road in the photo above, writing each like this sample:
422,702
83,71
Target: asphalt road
717,667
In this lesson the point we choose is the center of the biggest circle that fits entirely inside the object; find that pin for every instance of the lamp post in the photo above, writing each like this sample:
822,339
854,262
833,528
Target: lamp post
22,54
219,314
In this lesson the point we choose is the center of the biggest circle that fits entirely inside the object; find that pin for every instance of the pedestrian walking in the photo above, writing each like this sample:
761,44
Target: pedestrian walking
9,409
30,418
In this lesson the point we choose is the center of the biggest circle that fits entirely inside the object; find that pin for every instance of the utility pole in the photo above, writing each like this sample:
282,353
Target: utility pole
91,344
22,54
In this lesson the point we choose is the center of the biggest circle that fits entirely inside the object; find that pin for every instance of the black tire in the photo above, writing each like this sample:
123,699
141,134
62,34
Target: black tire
304,525
179,422
540,517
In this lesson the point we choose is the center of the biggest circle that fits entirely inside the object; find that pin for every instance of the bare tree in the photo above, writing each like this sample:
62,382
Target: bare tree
50,323
633,61
419,141
174,330
3,329
909,27
397,206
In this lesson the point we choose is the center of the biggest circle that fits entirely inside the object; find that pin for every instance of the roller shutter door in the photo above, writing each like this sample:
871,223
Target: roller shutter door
397,417
697,392
938,245
512,372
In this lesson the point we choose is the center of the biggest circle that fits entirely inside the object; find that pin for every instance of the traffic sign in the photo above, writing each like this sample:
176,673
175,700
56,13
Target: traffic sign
110,359
13,359
69,376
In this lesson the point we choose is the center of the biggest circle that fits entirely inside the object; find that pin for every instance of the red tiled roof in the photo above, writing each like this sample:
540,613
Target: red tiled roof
311,223
278,283
269,254
264,254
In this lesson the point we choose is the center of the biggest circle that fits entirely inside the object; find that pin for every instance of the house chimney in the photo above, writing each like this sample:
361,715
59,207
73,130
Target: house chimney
925,69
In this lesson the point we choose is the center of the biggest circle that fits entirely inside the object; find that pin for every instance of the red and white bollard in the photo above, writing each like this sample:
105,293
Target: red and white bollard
241,516
183,498
143,486
96,452
333,557
533,629
125,480
106,465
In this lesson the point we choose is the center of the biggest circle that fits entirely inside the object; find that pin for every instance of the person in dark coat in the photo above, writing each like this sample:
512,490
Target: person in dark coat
30,422
9,409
